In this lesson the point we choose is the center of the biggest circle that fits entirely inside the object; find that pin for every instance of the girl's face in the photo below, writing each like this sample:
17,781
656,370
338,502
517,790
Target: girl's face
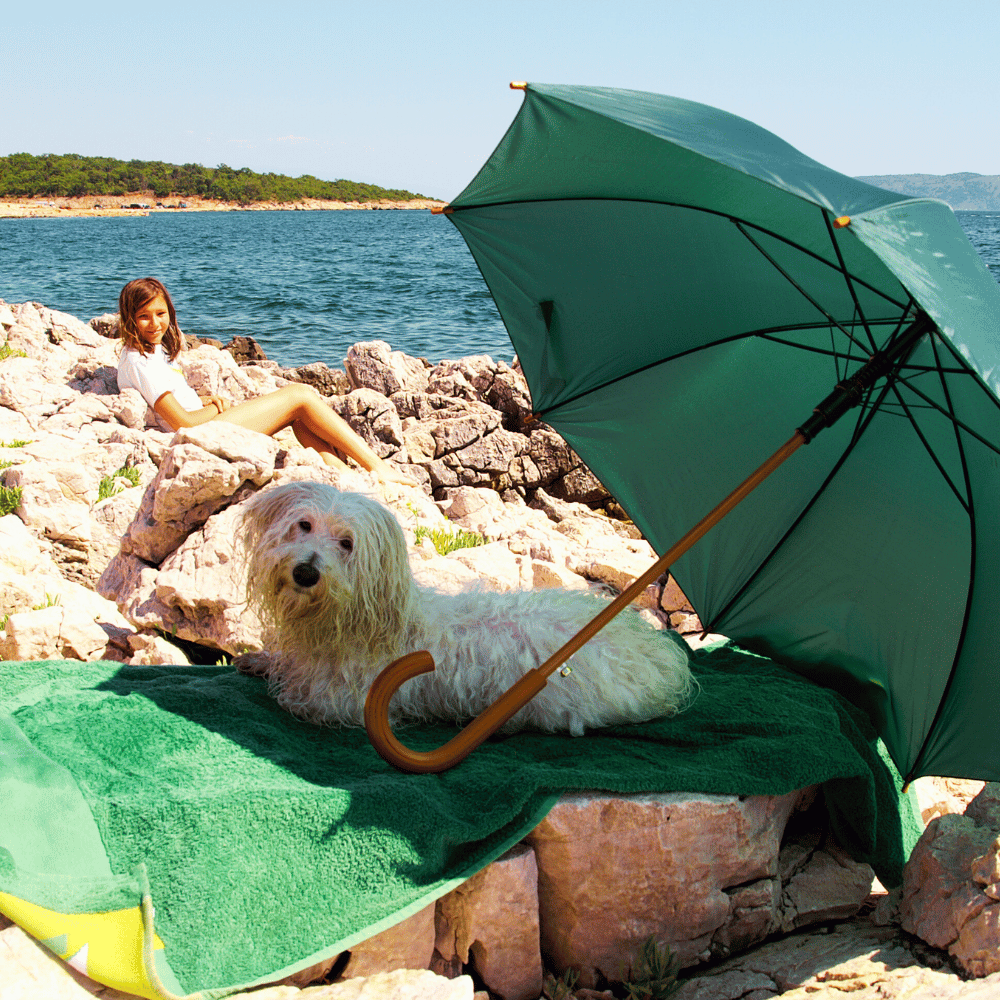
152,320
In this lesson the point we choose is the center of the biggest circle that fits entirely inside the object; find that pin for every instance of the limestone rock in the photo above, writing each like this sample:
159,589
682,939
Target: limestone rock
400,984
406,945
492,921
951,886
615,870
374,365
852,960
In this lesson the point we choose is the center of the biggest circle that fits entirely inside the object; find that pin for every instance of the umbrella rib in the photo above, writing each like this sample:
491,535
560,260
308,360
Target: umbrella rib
691,208
847,278
764,333
798,287
968,599
969,371
966,501
864,421
951,416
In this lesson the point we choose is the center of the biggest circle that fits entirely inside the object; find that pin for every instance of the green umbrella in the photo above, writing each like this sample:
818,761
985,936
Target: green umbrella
682,288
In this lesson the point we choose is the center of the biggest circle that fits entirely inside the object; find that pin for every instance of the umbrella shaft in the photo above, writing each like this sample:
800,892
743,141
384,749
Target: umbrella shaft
850,391
662,564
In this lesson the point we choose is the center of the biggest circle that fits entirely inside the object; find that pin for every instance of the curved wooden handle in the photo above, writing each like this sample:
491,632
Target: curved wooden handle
399,671
432,761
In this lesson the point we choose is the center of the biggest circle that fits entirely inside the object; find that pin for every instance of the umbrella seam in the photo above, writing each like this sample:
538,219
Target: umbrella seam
968,598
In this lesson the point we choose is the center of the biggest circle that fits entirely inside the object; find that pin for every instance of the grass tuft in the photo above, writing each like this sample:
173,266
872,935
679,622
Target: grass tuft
6,351
10,499
107,487
654,977
561,988
446,541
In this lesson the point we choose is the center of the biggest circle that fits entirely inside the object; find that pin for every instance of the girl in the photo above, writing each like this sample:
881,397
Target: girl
151,342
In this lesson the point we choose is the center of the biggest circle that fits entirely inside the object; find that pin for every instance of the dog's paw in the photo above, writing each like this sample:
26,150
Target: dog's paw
255,664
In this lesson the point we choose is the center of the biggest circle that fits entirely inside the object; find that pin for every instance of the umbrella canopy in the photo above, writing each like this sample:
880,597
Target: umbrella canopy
682,288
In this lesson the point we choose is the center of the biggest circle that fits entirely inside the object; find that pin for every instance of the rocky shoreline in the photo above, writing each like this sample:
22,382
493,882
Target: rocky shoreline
145,203
116,542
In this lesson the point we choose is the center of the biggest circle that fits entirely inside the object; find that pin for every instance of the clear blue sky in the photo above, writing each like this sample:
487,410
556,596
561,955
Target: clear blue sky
414,95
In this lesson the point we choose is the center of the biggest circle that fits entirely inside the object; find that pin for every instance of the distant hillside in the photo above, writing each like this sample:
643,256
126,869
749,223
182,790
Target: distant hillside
964,192
23,175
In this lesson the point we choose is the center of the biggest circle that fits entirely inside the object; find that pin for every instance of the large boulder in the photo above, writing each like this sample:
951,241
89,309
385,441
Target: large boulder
951,885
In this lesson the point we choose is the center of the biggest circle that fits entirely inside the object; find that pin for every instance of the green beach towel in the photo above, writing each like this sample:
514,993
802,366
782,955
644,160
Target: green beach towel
170,830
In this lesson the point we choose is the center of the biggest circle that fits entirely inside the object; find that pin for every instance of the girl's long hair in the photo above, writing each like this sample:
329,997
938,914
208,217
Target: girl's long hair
132,298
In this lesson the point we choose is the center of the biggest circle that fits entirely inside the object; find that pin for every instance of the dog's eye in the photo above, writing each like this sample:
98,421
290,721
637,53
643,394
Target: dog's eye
306,526
347,544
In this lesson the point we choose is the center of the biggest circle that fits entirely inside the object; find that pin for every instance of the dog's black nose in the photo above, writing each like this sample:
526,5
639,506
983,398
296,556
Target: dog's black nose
305,574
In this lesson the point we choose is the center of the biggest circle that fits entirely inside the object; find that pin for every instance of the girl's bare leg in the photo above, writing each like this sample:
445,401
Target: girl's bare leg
309,440
299,404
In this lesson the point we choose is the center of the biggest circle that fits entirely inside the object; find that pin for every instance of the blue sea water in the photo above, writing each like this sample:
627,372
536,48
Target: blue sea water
306,285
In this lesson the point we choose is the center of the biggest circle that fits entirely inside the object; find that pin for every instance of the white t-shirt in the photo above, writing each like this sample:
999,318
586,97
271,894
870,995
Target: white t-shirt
153,375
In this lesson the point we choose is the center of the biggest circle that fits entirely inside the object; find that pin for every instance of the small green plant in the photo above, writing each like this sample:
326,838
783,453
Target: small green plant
16,443
6,351
6,463
448,541
654,976
561,988
3,622
10,499
107,488
50,602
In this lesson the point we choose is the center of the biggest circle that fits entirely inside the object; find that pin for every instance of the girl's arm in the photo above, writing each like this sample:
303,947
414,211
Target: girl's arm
170,411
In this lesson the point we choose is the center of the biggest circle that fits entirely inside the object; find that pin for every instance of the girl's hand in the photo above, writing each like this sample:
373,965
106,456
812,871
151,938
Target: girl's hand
219,403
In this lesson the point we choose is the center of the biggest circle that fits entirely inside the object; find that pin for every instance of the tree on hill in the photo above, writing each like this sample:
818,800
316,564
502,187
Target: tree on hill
51,175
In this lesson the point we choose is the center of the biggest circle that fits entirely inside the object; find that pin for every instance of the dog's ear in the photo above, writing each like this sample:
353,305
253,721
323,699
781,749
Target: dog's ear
382,567
267,509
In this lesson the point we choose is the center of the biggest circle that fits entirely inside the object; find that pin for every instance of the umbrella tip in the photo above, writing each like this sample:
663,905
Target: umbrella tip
841,221
441,210
518,85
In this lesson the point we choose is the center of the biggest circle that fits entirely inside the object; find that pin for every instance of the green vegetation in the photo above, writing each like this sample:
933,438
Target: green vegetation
15,443
447,541
655,975
10,499
24,175
561,988
107,488
50,602
6,351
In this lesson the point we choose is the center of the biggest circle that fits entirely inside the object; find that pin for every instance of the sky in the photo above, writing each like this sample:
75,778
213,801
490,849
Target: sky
416,96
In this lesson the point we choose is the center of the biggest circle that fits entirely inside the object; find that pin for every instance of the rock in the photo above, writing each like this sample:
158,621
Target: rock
401,984
615,870
854,959
29,971
406,945
830,885
374,365
951,886
492,921
106,325
243,350
328,381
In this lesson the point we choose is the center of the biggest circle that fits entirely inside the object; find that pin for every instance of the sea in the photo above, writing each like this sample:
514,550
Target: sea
306,285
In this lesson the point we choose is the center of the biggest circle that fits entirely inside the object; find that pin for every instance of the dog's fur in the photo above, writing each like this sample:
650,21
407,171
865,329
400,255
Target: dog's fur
328,575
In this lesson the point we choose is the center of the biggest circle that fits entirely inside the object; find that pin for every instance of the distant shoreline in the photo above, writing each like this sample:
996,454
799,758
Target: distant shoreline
106,206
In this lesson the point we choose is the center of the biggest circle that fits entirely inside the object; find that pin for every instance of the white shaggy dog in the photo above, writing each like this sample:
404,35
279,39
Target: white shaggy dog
328,575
